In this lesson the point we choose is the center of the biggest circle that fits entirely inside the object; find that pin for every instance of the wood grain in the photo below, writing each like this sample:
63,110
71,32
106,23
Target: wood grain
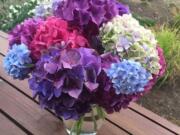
3,34
110,129
156,118
28,113
3,45
137,124
8,128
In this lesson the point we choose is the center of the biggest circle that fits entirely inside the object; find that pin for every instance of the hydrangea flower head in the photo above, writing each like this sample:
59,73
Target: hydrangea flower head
128,77
17,62
24,32
126,37
88,13
56,32
64,77
162,61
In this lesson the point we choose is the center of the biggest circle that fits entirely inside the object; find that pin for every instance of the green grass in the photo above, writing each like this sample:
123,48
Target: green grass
169,40
175,24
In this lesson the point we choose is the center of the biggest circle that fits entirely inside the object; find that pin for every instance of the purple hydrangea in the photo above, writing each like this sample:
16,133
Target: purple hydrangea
88,12
24,33
17,62
128,77
65,79
123,9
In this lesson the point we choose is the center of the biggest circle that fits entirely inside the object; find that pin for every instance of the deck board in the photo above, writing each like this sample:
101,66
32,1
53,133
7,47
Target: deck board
9,128
155,118
28,113
137,124
135,120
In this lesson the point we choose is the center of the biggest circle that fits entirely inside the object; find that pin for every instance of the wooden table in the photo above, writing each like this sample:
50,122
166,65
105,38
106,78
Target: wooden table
20,114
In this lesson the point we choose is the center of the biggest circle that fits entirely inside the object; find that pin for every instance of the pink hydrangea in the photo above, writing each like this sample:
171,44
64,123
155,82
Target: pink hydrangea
56,32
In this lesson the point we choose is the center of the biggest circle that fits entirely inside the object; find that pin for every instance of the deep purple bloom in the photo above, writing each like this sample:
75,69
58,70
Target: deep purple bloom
87,13
64,80
107,59
123,9
24,32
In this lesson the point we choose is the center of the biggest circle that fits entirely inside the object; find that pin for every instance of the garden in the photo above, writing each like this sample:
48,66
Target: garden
161,16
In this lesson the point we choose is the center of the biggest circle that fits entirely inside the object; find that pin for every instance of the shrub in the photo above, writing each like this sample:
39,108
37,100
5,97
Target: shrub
17,14
170,42
175,24
145,21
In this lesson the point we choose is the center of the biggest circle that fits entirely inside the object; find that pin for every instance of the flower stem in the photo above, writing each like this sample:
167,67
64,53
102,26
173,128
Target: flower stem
76,128
100,112
94,120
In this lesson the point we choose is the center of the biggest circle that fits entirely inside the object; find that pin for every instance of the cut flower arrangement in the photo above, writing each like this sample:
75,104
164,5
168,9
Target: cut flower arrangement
84,57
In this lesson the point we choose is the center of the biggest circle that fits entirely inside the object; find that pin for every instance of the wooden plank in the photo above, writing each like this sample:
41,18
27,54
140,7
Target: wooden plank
110,129
4,45
137,124
154,117
3,34
33,118
28,113
9,128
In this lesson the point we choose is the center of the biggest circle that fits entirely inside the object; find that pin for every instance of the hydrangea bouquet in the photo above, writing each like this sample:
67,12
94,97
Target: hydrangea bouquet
84,54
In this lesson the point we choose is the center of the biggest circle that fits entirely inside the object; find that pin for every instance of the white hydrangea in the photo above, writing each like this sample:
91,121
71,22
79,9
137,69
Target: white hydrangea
126,37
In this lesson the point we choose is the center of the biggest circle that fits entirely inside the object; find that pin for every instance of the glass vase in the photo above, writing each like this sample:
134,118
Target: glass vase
86,125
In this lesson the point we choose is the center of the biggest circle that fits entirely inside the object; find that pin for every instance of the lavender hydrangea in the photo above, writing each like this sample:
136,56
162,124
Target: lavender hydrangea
64,79
17,62
84,11
128,77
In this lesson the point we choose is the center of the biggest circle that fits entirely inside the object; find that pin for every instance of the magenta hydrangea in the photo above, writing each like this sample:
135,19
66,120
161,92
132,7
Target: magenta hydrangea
24,32
64,80
162,61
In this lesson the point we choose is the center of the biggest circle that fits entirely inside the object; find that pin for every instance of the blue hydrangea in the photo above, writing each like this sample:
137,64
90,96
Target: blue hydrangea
128,77
17,62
